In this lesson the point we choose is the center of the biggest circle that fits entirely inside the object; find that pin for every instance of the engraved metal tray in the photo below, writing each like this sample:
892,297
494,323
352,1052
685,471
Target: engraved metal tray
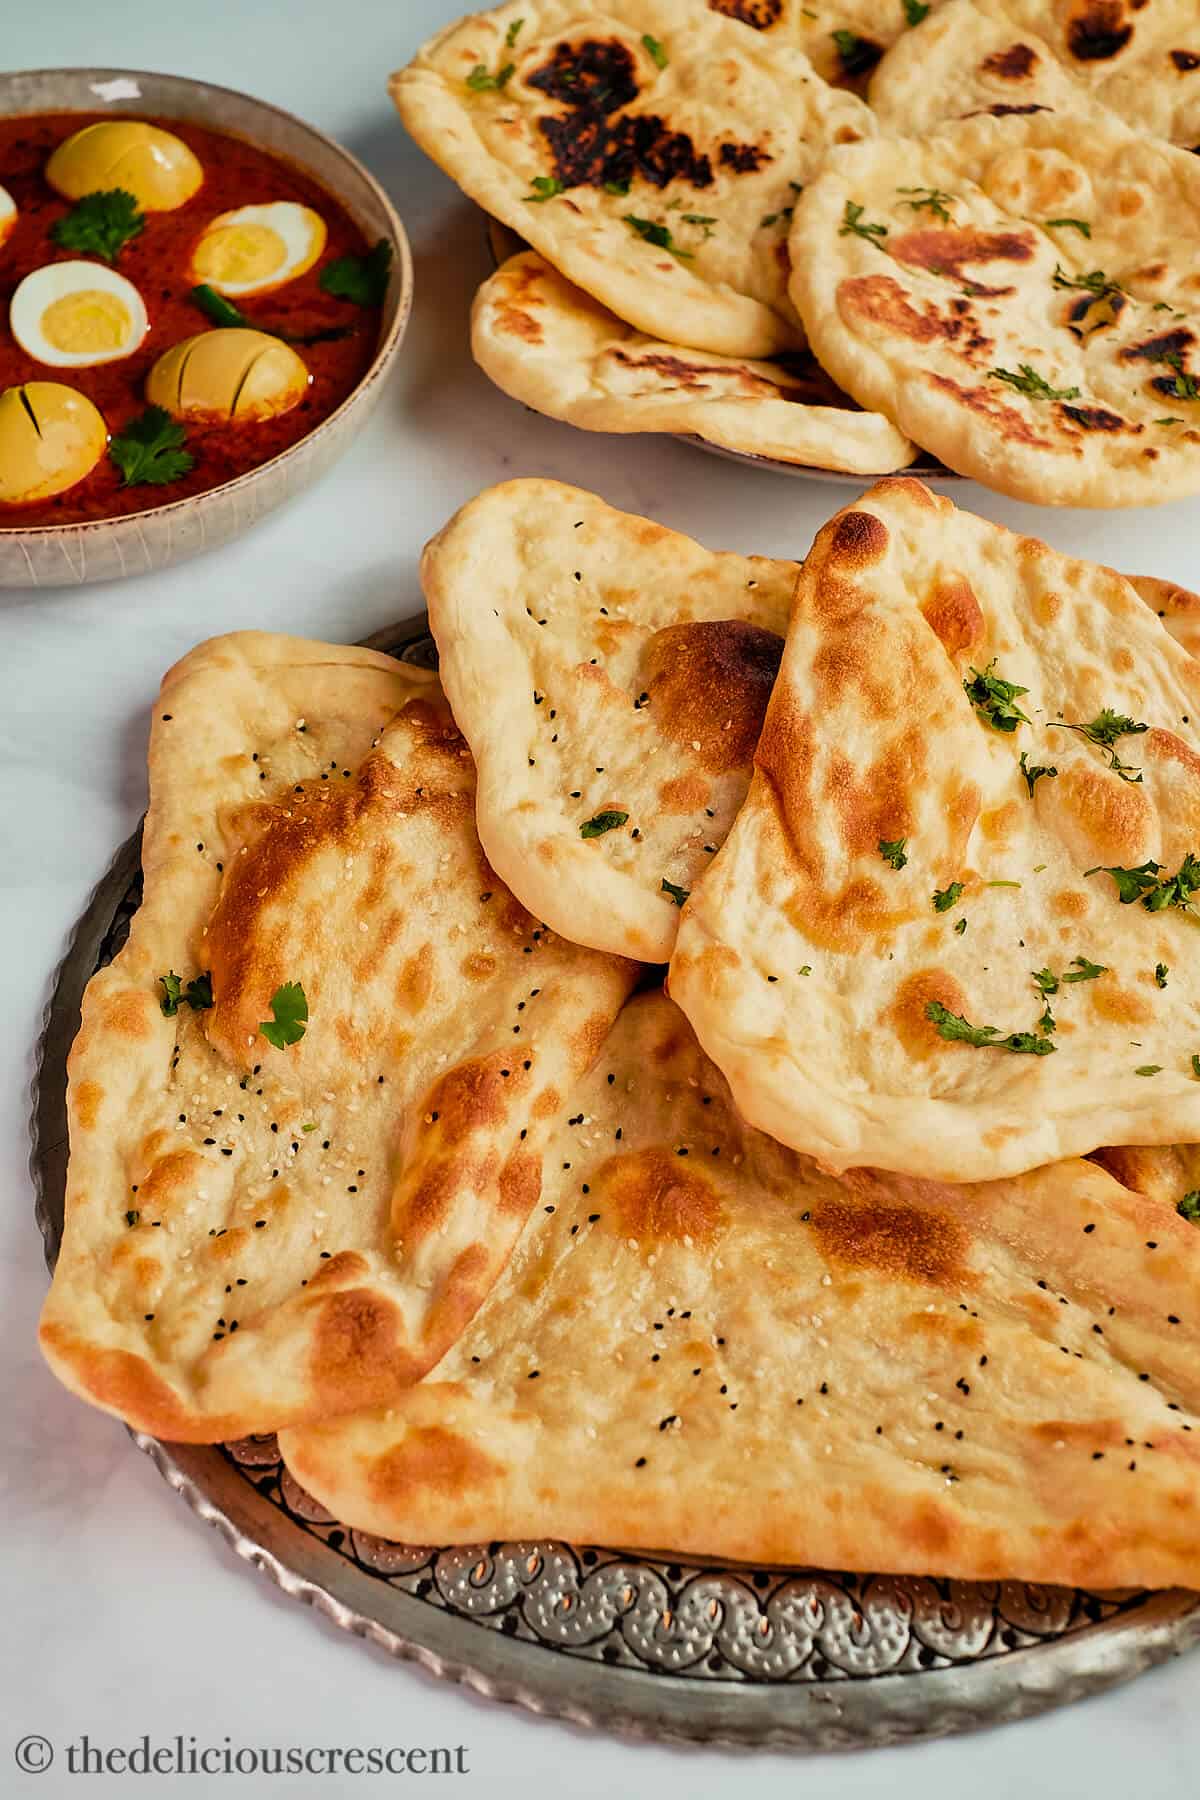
643,1644
503,242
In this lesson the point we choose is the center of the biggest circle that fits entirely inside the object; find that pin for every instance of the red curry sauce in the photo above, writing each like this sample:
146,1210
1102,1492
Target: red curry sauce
157,263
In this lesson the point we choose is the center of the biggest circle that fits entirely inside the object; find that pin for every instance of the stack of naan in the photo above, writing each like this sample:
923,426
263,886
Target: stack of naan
993,257
868,1238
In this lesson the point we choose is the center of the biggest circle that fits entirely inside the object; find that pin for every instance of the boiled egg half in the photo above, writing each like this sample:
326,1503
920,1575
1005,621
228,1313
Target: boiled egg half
153,165
228,374
255,248
72,314
50,438
8,213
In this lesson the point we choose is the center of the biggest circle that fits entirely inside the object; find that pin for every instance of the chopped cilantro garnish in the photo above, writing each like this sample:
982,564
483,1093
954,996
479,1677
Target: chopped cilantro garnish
1196,1067
654,51
892,851
992,697
852,225
1171,419
150,449
1103,731
857,54
1046,981
133,1218
1095,282
289,1009
1028,381
945,898
1161,972
363,279
807,970
313,1126
705,221
197,994
1080,225
545,187
656,234
678,894
1133,883
616,187
1184,386
1189,1207
1035,772
513,33
482,81
956,1029
605,821
930,199
1143,883
961,927
100,224
1083,970
915,11
1148,1069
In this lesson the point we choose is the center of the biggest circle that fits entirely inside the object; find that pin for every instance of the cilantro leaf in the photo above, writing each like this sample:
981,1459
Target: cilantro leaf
289,1008
1095,282
955,1029
1103,731
133,1218
1189,1207
363,279
1028,381
545,187
603,821
892,851
1178,889
852,226
654,51
961,927
1196,1067
619,188
656,234
100,224
1184,386
482,81
1034,772
197,994
1085,970
993,697
150,449
1161,972
915,11
1131,883
858,54
1046,981
1080,225
678,894
930,199
513,33
1148,1069
945,898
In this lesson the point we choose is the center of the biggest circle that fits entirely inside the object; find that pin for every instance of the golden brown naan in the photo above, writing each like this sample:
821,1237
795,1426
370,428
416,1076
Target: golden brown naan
946,283
551,346
843,39
260,1234
610,677
649,149
704,1343
819,967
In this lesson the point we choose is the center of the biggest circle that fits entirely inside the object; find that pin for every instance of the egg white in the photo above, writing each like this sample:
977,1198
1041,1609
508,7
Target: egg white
56,281
8,213
300,230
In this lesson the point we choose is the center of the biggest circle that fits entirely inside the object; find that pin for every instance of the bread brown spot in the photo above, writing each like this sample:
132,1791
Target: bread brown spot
905,1241
343,1266
1098,418
954,614
877,803
1012,64
1069,903
415,981
857,539
1120,1004
654,1197
683,794
459,1298
547,1103
1185,60
760,15
945,250
520,1184
907,1013
879,300
512,321
478,966
432,1458
1098,31
87,1097
709,682
1005,419
357,1356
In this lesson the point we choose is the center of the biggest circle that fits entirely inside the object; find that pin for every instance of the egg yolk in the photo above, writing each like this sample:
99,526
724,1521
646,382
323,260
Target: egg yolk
228,374
153,165
87,320
50,438
239,253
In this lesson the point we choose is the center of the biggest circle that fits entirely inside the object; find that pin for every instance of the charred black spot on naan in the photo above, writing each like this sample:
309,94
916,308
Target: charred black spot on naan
1098,31
760,15
1185,60
743,159
1098,418
591,148
1011,64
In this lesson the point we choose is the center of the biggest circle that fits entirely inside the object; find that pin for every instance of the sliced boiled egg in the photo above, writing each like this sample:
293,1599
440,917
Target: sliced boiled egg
228,374
153,165
50,438
72,314
255,248
8,213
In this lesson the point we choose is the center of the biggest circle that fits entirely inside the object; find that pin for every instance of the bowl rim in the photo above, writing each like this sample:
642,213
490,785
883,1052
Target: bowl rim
385,351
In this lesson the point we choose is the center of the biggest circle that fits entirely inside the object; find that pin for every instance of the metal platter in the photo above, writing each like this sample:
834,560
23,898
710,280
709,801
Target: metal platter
503,242
636,1643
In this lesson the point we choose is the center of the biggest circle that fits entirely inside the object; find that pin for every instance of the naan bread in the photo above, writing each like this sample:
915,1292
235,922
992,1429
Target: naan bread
610,677
1177,607
946,284
256,1235
1168,1174
675,134
817,974
1141,58
551,346
706,1345
843,39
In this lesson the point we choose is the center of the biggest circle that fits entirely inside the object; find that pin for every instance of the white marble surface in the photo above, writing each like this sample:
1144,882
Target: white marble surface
121,1614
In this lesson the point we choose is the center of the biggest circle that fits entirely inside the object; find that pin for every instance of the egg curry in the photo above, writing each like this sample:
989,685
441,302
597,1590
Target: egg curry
176,307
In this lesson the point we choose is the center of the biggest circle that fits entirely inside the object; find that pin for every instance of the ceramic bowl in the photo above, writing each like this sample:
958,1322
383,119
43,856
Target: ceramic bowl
101,549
